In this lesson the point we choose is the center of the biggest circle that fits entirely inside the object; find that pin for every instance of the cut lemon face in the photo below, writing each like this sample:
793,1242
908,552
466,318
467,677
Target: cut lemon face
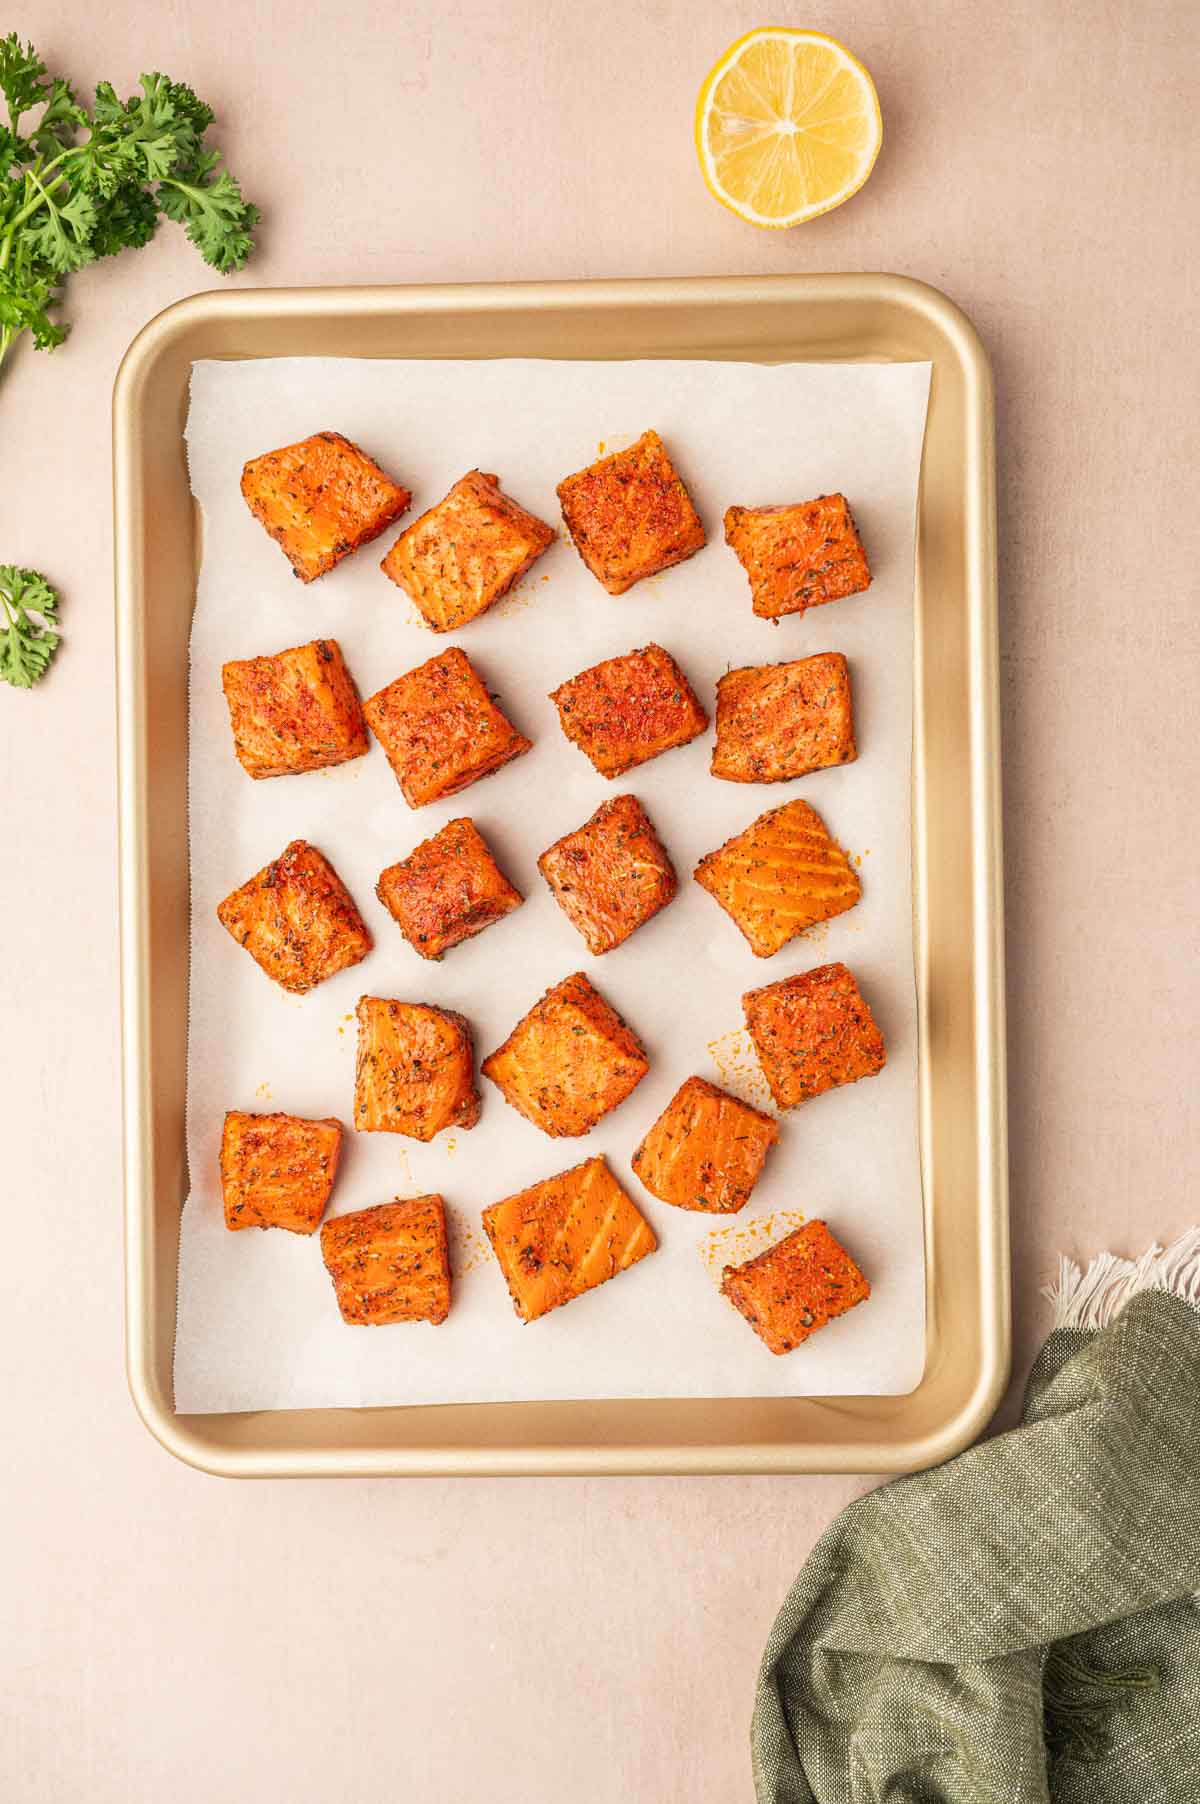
787,126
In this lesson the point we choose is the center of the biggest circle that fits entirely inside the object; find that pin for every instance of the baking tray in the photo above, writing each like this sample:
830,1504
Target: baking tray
957,903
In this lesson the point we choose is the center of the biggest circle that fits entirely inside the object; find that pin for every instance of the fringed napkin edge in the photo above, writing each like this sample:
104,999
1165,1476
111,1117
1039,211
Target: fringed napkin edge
1092,1297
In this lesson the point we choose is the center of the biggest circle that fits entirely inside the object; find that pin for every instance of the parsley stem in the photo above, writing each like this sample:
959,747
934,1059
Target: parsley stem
40,199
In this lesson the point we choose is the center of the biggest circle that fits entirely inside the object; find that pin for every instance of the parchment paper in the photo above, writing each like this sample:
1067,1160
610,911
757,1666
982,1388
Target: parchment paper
258,1326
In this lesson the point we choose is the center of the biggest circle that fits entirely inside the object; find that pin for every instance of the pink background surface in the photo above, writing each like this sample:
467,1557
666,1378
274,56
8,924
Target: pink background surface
167,1634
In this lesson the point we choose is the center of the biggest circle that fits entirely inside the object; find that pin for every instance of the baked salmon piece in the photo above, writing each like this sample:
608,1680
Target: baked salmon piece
798,556
610,875
294,711
390,1263
320,500
795,1287
297,919
569,1061
415,1071
277,1171
706,1150
441,729
813,1032
564,1236
466,552
778,721
630,516
783,874
628,709
448,888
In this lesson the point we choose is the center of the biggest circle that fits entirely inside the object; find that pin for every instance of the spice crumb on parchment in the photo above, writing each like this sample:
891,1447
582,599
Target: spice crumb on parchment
264,1092
740,1240
468,1247
738,1068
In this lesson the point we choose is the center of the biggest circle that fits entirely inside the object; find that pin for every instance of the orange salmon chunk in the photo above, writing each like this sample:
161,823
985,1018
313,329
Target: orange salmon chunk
320,500
297,919
610,875
782,875
798,556
795,1287
390,1263
294,711
415,1072
569,1062
813,1032
564,1236
706,1150
629,709
441,729
630,516
779,721
277,1171
448,888
466,552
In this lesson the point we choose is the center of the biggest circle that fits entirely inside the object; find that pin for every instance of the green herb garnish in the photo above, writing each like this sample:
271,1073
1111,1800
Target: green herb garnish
28,626
76,185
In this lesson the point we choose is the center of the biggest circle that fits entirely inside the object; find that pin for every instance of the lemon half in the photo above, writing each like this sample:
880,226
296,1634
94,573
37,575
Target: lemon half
787,126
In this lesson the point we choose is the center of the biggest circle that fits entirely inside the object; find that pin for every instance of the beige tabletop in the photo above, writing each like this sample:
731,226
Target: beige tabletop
168,1635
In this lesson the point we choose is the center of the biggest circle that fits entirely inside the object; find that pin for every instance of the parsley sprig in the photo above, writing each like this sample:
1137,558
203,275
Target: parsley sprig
78,185
28,626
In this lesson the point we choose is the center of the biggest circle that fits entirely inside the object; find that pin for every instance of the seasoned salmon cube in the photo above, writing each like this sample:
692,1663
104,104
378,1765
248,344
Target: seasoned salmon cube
629,515
611,874
783,874
569,1061
629,709
390,1263
795,1287
441,729
798,556
706,1150
448,888
294,711
296,919
321,499
812,1032
778,721
415,1072
564,1236
466,552
277,1171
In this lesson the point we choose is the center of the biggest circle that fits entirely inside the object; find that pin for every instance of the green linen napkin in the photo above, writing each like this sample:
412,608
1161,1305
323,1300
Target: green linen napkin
1021,1623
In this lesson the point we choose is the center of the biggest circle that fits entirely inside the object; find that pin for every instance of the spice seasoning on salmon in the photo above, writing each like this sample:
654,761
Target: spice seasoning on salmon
629,515
627,710
795,1287
569,1062
813,1032
321,499
706,1151
390,1263
294,711
440,728
415,1070
779,721
297,919
611,875
465,553
780,876
564,1236
447,889
277,1171
800,555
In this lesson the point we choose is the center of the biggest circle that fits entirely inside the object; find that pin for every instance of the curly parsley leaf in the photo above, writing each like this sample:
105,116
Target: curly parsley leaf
28,626
77,185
